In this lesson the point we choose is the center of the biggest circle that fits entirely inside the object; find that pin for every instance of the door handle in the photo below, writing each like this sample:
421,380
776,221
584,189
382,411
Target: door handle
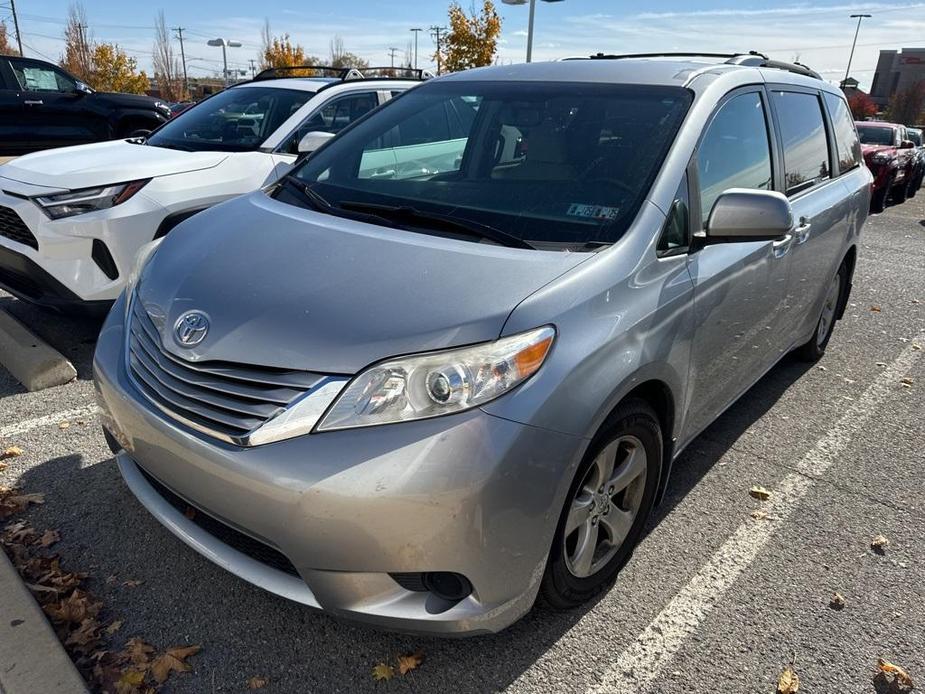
801,233
782,245
37,102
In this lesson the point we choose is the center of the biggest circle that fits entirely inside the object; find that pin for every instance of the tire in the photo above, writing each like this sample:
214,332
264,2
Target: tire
571,578
813,350
899,192
878,199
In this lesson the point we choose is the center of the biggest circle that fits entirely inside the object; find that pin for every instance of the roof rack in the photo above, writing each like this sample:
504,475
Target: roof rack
341,73
750,59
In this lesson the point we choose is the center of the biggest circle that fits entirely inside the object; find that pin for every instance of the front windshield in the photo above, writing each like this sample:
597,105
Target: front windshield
235,120
875,135
554,164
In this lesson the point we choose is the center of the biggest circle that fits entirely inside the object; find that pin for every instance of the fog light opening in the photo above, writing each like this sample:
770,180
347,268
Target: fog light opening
449,586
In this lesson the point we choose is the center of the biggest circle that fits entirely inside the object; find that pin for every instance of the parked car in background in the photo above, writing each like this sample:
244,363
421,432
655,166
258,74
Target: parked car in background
891,157
42,106
178,107
72,219
446,362
915,135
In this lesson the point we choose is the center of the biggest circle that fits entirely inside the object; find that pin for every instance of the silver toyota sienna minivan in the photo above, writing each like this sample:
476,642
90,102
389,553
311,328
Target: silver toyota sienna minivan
444,366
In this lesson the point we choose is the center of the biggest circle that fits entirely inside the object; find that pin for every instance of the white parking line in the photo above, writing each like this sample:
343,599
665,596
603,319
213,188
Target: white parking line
29,424
641,663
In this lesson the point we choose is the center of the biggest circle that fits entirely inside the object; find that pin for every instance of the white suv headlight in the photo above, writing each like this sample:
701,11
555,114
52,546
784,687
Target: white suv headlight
438,383
76,202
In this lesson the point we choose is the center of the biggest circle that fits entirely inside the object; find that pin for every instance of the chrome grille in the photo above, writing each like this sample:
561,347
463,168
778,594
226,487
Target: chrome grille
222,399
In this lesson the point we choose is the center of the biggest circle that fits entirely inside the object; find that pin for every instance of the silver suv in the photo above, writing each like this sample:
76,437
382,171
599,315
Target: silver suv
445,365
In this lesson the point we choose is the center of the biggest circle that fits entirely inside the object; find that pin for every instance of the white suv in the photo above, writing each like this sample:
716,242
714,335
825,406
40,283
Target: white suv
72,219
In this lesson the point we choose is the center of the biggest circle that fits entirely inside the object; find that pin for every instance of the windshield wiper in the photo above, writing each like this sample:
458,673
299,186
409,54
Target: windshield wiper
319,204
404,214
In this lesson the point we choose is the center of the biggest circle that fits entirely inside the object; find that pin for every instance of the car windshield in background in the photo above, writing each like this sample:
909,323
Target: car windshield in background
557,165
236,120
874,135
915,136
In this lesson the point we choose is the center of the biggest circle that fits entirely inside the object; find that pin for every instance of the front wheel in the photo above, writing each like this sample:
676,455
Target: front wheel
878,199
606,508
900,192
815,348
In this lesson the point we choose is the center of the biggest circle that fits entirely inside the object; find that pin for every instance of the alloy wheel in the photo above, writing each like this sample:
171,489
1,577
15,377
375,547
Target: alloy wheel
605,505
828,311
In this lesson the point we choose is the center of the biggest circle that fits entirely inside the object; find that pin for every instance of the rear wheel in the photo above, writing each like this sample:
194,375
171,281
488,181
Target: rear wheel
815,348
607,507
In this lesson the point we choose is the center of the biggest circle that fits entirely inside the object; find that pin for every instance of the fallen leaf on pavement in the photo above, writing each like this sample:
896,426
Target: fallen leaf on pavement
256,683
837,602
875,309
383,672
760,492
64,425
759,514
407,663
74,609
138,652
12,502
49,537
172,660
131,583
129,681
114,627
879,544
788,682
11,452
900,676
86,636
906,382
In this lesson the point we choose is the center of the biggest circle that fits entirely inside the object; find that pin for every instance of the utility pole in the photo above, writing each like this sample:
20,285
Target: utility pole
253,67
435,32
392,52
416,30
16,27
859,17
179,31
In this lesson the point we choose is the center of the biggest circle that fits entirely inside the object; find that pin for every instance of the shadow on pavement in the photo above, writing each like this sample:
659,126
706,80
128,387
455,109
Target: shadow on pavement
245,631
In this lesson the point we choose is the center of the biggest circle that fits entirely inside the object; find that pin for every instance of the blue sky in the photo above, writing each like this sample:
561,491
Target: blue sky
818,33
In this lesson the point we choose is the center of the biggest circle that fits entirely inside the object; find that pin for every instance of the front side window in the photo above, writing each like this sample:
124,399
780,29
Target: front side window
556,165
735,151
915,136
235,120
876,135
334,116
846,137
39,78
806,149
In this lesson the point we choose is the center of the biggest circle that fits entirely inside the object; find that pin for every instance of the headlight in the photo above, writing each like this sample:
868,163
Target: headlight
145,253
430,385
88,199
882,158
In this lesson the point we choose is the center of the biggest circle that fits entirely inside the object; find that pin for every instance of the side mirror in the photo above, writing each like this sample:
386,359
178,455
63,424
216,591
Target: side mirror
312,141
81,89
741,214
906,144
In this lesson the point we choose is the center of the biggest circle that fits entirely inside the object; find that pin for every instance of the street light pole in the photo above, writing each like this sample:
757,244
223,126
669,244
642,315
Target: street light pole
416,30
859,17
529,22
225,44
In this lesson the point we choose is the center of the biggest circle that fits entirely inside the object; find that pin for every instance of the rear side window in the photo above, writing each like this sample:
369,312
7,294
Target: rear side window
846,137
806,150
734,152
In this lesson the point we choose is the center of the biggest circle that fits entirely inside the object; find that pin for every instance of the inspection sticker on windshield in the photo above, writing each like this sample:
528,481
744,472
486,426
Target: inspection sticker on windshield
593,211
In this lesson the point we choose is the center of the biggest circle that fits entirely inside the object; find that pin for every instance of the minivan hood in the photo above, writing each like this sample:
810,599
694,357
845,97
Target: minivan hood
287,287
102,163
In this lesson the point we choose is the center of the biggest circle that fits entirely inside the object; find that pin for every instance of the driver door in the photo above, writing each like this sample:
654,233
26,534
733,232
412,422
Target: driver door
739,288
53,108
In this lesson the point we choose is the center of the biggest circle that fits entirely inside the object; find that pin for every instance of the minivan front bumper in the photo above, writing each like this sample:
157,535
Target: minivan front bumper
354,511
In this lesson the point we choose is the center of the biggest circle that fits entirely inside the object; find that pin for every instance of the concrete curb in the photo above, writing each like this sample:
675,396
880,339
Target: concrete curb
30,359
32,658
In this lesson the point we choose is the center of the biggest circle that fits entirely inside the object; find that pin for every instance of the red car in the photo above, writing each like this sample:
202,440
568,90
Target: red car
890,156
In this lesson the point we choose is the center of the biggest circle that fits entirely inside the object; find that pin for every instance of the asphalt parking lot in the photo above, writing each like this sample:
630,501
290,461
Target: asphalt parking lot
714,600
